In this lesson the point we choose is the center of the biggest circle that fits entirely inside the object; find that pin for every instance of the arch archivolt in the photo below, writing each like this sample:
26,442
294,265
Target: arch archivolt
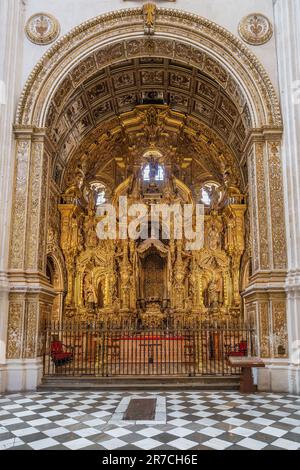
111,40
94,44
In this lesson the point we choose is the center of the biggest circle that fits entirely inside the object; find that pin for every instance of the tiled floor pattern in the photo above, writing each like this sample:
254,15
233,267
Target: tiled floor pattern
195,420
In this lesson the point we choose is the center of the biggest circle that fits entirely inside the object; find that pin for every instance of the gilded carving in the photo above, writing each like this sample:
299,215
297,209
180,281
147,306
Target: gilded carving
254,211
262,212
279,322
264,329
34,202
202,29
255,29
17,248
30,330
42,28
277,207
152,281
15,326
102,279
149,17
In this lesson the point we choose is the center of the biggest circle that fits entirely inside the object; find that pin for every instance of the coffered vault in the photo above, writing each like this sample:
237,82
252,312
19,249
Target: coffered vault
118,89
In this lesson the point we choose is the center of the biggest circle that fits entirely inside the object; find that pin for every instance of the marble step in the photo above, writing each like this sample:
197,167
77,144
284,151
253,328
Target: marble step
141,383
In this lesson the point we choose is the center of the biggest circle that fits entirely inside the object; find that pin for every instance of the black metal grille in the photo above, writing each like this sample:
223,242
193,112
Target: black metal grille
106,350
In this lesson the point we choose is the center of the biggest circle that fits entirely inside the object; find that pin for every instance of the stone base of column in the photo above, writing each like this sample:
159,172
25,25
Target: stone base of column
279,377
294,380
3,378
23,375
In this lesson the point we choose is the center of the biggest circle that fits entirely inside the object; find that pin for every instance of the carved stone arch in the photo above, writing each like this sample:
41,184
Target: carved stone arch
56,273
56,255
223,52
245,272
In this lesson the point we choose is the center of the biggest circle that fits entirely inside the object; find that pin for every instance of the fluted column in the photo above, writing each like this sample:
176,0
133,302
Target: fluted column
287,18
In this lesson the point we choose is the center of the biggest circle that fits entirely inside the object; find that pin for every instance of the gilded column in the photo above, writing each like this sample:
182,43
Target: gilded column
31,296
266,292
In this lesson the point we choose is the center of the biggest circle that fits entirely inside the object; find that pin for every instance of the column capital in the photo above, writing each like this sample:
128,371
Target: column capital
263,134
29,132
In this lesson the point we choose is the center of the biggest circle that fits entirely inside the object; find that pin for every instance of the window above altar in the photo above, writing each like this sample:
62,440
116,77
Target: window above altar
157,171
100,192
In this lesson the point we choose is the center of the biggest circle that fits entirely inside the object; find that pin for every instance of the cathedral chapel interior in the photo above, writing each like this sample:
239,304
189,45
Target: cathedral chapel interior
161,102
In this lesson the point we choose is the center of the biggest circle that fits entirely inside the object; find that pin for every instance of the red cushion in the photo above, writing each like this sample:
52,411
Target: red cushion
61,356
56,347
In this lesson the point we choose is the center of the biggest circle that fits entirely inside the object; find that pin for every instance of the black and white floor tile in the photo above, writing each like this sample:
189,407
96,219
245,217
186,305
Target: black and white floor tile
194,421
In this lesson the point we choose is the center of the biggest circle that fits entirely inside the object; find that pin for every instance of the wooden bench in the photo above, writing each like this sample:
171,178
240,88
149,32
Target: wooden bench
246,364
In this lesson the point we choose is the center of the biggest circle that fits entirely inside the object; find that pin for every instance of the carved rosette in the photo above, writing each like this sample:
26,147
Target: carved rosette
42,28
255,29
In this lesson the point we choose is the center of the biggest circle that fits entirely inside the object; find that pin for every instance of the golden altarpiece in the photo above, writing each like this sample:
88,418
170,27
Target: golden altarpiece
84,126
150,279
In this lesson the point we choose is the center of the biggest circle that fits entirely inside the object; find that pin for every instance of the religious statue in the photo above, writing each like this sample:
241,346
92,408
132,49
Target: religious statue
91,236
213,294
214,197
213,239
91,201
153,169
90,294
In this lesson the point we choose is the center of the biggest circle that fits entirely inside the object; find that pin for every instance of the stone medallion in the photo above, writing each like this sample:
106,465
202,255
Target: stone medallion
42,28
255,29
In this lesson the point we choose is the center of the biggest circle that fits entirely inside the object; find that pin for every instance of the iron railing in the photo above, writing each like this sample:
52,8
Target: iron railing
96,349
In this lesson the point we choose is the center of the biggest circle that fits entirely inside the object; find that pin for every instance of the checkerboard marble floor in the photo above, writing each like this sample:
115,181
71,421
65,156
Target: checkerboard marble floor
195,421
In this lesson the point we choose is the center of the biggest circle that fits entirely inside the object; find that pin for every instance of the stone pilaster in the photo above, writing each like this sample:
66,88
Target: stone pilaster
30,296
287,19
11,32
265,298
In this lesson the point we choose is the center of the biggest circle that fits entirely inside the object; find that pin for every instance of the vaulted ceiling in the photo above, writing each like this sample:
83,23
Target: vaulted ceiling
99,102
